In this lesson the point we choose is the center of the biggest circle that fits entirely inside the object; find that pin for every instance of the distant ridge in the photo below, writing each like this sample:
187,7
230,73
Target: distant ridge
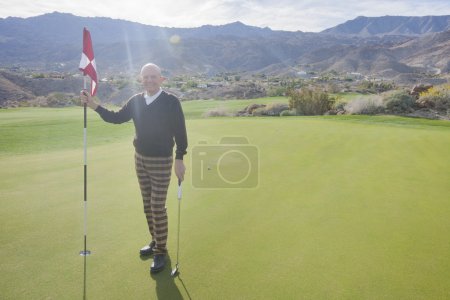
392,25
383,46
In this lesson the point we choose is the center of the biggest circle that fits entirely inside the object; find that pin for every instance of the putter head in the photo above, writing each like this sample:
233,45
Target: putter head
174,271
85,253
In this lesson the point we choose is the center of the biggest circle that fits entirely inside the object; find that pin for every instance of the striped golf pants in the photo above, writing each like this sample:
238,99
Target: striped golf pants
154,177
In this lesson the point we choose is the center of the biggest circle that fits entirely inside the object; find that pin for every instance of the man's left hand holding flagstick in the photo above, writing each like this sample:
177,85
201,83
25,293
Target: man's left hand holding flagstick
88,100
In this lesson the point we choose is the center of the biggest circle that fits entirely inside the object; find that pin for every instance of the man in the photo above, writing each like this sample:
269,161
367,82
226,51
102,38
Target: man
158,120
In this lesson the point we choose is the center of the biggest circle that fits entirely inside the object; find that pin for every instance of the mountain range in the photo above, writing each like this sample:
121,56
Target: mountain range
365,26
390,47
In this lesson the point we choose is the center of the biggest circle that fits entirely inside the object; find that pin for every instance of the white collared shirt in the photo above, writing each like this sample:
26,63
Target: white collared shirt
150,99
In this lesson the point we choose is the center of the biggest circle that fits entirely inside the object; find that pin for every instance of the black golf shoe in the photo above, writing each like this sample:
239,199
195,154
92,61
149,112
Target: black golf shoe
159,261
148,249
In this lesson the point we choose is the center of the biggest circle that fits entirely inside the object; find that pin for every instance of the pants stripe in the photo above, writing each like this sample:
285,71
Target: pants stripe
154,178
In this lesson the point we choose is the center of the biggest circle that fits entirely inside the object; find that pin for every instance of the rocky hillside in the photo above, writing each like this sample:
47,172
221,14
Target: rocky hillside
53,42
392,25
425,54
403,49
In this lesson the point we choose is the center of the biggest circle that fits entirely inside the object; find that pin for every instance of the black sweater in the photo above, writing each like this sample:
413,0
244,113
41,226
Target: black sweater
156,124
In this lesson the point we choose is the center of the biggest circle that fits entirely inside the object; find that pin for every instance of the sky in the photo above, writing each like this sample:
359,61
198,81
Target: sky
291,15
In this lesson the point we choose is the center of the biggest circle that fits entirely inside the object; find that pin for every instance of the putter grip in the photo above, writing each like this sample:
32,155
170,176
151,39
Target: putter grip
179,189
179,192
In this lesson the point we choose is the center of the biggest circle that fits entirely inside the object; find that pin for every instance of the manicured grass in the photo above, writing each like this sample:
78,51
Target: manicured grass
31,130
346,208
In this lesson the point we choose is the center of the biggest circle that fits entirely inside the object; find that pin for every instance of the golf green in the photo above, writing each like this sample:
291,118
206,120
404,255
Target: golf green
351,207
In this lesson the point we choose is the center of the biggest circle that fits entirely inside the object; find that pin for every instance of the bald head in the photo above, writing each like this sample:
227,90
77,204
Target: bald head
151,66
151,78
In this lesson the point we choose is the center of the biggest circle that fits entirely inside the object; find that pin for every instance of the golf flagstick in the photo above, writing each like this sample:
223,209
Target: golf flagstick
85,252
175,270
87,66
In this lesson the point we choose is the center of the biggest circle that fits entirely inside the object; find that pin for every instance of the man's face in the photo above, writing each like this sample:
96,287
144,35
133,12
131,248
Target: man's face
151,79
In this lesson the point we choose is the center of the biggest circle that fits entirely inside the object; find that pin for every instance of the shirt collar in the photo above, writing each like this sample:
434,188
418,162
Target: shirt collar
150,99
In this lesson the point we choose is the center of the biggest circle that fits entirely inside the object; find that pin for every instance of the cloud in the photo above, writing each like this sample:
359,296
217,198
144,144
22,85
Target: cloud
313,15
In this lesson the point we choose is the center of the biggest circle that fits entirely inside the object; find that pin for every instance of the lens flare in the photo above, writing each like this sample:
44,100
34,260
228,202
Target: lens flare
175,39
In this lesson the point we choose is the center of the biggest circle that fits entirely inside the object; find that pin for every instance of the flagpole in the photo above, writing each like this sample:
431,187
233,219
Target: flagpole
85,252
87,65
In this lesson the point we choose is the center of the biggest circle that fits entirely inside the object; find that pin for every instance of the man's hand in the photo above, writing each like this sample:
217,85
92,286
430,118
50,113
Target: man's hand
86,98
179,169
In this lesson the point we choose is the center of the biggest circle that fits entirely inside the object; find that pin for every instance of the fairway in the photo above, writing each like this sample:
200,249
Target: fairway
351,207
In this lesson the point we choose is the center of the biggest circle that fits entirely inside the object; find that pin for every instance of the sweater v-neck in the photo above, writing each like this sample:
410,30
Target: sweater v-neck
151,103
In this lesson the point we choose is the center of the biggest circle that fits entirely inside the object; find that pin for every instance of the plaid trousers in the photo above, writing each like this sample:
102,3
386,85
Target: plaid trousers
154,177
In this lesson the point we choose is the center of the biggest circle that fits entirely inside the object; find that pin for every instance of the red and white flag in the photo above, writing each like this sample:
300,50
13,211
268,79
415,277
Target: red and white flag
87,63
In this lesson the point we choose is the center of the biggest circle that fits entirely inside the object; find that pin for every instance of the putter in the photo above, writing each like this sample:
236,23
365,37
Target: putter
175,270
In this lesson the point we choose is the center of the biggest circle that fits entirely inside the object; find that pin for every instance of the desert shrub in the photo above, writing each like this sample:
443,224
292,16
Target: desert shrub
339,106
25,104
217,112
333,88
365,106
38,101
259,112
271,109
287,113
399,102
277,91
60,99
310,101
274,109
121,83
191,84
37,75
250,108
376,87
437,97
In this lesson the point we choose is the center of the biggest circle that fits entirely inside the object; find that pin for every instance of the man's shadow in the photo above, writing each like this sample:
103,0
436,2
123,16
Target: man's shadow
165,283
